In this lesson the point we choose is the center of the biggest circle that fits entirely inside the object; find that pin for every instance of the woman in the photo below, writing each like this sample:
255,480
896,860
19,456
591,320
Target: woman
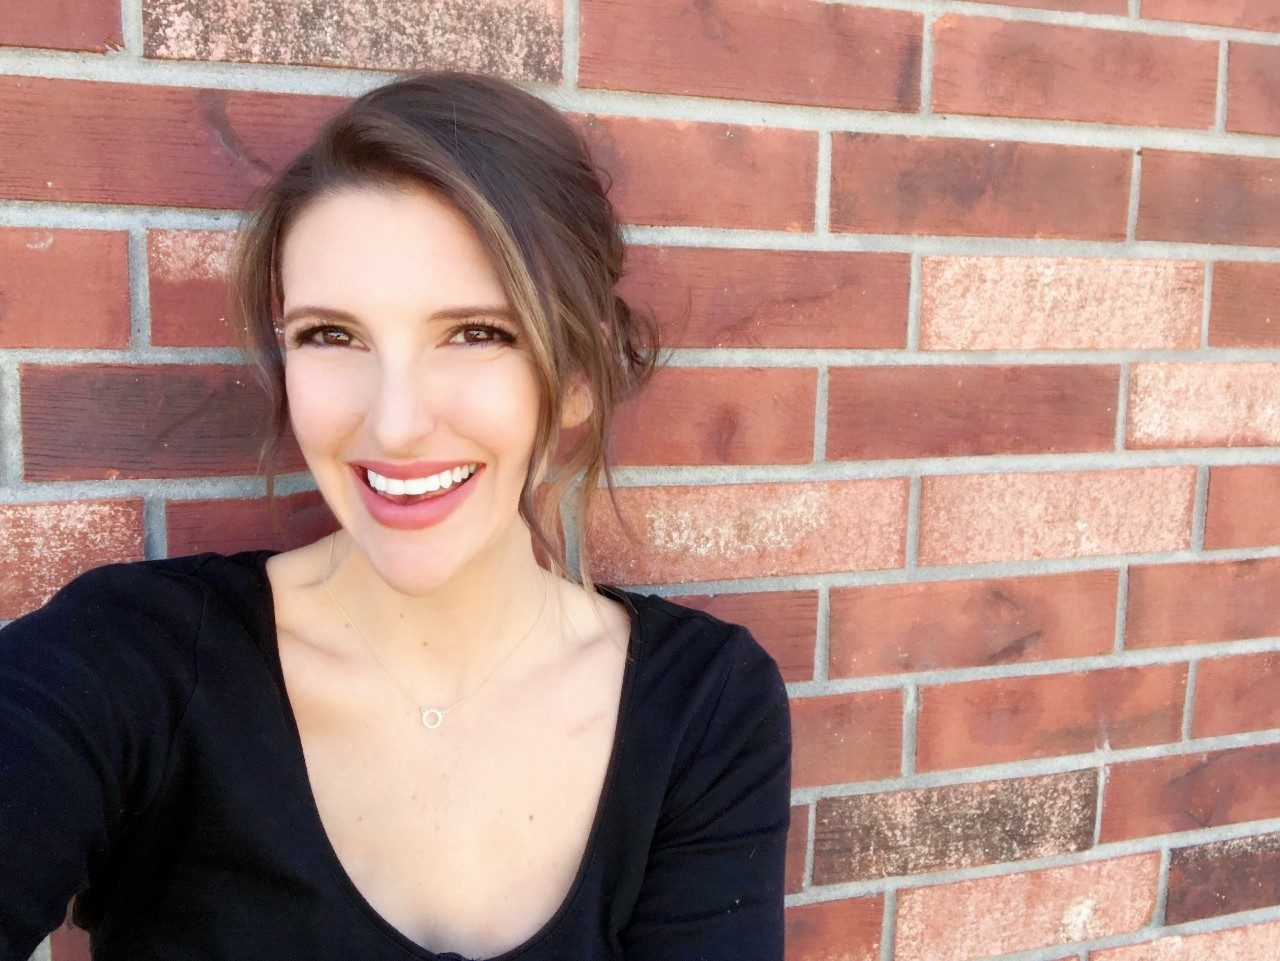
409,738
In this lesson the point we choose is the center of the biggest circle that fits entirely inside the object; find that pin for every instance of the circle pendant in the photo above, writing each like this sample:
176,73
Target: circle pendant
432,717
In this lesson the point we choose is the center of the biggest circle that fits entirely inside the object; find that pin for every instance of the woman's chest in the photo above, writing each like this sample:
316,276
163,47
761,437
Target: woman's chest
465,838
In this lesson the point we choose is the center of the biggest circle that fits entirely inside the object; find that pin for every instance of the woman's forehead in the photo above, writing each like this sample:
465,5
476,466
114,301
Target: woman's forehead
370,240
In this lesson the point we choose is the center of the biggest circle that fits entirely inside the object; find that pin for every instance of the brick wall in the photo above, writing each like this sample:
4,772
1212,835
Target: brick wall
974,416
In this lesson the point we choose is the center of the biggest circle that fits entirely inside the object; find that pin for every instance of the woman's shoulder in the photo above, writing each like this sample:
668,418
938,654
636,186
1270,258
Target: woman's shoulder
691,634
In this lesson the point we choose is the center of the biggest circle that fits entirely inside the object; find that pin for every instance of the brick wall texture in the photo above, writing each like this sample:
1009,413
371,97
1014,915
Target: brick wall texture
973,415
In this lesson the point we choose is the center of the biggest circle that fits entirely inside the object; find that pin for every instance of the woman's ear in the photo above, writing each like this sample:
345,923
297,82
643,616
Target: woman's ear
578,405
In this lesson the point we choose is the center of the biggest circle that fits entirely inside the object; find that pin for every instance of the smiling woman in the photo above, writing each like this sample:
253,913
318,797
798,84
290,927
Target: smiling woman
414,737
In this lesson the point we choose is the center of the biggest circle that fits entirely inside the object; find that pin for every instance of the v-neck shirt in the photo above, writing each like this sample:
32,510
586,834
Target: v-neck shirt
151,766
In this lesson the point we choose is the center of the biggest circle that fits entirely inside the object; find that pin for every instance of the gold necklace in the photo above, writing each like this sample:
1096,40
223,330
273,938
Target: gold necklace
432,717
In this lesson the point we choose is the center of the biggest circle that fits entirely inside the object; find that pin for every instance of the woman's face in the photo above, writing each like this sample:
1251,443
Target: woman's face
425,362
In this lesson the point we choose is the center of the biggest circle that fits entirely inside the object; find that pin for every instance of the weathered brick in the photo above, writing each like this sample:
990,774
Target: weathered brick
899,411
894,628
786,51
1190,792
846,737
1248,14
104,421
685,172
975,518
189,295
846,929
1019,912
702,415
1223,877
1016,718
1021,68
797,847
92,25
785,622
1198,404
1237,695
1209,198
1242,507
709,297
861,837
517,39
1253,943
43,545
713,531
64,288
1253,88
884,183
84,141
227,525
1246,305
1118,7
1171,604
1059,303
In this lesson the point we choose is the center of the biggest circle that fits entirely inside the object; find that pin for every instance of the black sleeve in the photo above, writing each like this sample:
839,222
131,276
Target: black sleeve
92,686
714,884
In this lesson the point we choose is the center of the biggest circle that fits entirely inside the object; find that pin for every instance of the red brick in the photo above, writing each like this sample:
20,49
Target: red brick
1197,404
227,525
1248,14
1172,604
1242,507
883,183
715,531
846,737
1246,305
685,172
786,51
105,421
978,518
1020,68
847,929
1059,303
92,25
898,411
189,295
785,622
894,628
703,415
83,141
1253,88
797,847
1252,943
1017,718
45,544
861,837
1191,792
64,288
1117,7
1209,198
1236,695
707,297
517,39
1223,877
1019,912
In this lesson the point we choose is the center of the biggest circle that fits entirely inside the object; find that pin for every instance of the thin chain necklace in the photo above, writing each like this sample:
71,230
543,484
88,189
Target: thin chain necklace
432,717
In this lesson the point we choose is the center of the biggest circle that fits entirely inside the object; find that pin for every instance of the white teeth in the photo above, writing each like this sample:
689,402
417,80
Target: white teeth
420,485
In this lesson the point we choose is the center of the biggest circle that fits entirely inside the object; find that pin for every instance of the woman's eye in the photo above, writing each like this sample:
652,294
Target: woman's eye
491,334
306,335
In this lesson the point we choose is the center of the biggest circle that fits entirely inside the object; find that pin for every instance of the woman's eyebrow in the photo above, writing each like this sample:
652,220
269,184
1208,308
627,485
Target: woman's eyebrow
449,313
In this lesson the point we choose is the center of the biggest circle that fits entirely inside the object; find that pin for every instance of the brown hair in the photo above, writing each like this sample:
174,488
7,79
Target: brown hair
523,177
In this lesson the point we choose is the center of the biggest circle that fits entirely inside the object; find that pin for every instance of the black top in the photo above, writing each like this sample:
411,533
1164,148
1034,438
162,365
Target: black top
150,763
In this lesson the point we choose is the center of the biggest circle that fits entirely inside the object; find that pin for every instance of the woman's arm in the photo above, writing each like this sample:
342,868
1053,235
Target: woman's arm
713,888
92,686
